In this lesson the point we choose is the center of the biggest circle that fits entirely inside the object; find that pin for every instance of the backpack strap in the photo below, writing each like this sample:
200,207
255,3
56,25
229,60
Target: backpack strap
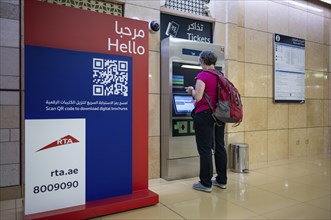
208,100
220,76
217,74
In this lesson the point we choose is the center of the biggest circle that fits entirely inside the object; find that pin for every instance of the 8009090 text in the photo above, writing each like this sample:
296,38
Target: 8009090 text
55,187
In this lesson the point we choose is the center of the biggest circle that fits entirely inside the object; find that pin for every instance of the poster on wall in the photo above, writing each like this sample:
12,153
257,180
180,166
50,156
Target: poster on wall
186,28
85,139
289,69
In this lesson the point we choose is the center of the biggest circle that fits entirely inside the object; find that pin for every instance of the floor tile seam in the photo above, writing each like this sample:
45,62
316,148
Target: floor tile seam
201,193
315,172
292,193
280,178
216,189
165,183
190,183
241,206
21,201
288,207
184,200
321,174
322,157
311,162
11,213
287,162
256,212
230,177
166,206
315,206
168,185
321,187
307,184
228,201
281,195
190,199
286,177
268,173
302,201
4,207
7,210
19,214
263,213
219,197
260,184
329,194
14,205
278,194
284,162
186,181
280,166
308,163
311,166
271,166
228,189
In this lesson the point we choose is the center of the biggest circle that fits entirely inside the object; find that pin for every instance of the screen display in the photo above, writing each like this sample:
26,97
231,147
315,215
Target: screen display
183,74
183,104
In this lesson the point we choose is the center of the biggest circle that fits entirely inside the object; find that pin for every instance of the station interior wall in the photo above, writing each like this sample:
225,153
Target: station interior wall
273,131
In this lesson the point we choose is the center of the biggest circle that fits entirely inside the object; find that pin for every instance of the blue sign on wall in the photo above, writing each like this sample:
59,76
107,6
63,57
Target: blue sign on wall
66,84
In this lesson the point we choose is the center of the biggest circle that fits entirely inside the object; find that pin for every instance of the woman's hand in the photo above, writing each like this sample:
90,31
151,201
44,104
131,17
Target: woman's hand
198,92
189,90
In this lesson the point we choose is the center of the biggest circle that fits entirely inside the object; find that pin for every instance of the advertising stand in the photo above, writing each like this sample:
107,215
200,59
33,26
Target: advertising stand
85,113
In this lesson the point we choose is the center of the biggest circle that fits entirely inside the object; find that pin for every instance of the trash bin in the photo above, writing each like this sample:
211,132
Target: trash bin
239,158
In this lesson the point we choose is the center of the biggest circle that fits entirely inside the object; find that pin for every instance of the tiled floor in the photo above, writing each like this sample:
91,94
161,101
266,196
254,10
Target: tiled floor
292,189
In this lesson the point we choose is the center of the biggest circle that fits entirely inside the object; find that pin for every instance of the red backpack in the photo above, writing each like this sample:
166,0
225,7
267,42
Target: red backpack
228,107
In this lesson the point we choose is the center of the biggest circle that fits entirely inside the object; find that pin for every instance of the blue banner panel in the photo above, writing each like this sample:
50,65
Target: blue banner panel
65,84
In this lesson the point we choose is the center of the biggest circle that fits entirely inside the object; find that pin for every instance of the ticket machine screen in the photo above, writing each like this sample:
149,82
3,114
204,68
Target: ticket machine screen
183,104
183,75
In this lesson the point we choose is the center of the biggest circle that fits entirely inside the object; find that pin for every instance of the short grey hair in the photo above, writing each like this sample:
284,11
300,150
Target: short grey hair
208,58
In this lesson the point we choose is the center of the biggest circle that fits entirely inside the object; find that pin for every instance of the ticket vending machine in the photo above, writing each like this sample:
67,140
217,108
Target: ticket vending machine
179,66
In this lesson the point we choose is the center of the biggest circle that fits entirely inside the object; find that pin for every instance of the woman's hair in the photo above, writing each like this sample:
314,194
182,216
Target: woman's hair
208,58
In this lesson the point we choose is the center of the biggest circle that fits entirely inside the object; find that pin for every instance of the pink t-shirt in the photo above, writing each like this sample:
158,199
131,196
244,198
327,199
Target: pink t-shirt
210,81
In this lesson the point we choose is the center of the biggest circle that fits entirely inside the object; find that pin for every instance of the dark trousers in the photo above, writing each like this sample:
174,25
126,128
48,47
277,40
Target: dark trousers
204,135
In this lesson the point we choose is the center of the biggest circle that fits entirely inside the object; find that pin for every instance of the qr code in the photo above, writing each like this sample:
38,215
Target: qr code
110,77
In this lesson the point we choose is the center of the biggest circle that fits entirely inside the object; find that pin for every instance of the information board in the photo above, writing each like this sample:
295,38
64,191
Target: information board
289,69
